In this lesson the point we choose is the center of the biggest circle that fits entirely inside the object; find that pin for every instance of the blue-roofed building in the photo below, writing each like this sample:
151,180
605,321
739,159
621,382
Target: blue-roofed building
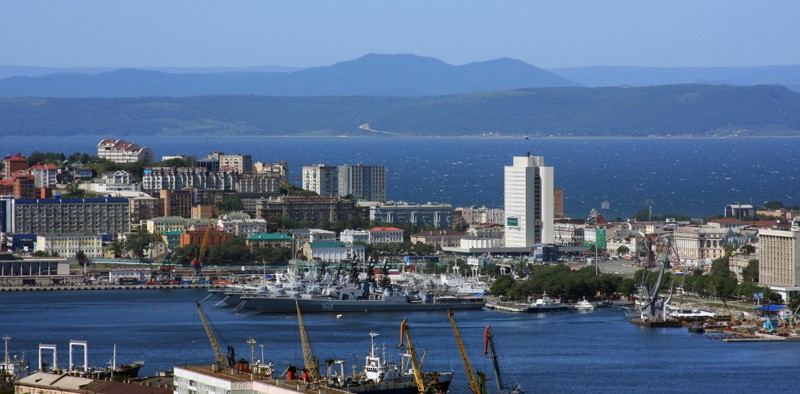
106,215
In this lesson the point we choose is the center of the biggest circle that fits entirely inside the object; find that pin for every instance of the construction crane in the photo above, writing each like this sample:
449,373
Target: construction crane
405,340
311,361
222,361
473,383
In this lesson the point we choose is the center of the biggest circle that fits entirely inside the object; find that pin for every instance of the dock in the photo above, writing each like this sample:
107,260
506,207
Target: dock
508,307
109,287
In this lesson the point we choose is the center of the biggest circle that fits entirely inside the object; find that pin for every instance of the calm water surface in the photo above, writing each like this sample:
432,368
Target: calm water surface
593,352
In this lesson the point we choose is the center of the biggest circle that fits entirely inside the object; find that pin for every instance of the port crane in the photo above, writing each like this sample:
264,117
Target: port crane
649,295
222,360
474,386
405,340
198,262
488,345
311,361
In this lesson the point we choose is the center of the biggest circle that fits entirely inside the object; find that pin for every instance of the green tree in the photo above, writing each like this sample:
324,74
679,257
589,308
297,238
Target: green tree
622,250
773,205
82,259
747,249
138,243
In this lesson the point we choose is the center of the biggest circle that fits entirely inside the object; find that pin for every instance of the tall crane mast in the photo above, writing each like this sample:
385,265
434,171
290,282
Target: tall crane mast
488,344
311,361
473,384
222,361
405,339
198,263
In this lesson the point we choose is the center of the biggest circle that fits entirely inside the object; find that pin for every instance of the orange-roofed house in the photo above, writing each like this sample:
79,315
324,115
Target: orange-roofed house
385,235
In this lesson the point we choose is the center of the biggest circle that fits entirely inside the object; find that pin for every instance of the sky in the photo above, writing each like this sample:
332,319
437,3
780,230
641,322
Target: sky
306,33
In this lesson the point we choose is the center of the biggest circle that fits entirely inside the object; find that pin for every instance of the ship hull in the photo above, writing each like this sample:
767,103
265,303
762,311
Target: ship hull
287,305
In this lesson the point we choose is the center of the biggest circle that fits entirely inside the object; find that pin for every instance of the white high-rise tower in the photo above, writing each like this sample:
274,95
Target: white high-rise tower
528,202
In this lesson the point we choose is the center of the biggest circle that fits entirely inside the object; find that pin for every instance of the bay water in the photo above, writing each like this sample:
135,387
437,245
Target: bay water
690,176
562,352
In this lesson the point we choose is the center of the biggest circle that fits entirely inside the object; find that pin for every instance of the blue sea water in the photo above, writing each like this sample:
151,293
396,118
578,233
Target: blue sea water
691,176
562,352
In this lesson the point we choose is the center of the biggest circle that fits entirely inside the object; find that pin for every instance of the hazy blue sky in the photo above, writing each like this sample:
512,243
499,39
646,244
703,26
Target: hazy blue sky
555,33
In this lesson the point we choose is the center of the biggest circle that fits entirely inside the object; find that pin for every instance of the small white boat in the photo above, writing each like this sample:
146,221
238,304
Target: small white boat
545,304
584,305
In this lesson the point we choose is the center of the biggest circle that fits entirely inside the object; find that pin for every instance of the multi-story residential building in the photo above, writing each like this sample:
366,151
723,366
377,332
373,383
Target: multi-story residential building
385,235
240,224
242,164
362,182
473,215
21,185
120,151
313,209
88,215
67,245
14,164
429,214
321,179
443,238
118,182
170,178
528,202
699,245
779,260
145,207
177,202
568,234
44,175
165,224
199,178
353,236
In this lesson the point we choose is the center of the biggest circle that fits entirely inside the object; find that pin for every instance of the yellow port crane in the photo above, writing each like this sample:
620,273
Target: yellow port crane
198,263
405,340
311,361
222,361
472,382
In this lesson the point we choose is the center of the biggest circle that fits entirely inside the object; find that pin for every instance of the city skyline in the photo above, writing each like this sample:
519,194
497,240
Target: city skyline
91,33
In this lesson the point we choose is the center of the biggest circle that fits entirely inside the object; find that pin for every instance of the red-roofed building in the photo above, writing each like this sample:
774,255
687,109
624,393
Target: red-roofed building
44,175
13,164
385,235
121,151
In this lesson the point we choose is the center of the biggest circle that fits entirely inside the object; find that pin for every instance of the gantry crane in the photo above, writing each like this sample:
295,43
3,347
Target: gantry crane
405,340
472,382
311,361
222,361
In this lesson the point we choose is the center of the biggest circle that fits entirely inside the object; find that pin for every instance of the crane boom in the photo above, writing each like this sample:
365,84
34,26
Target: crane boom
222,361
473,384
405,335
311,361
488,344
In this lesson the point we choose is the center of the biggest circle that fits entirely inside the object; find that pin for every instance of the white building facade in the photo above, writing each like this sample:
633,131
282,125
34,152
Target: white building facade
779,260
321,179
529,208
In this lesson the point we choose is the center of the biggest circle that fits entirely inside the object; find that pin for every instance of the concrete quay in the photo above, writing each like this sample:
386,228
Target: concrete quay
108,287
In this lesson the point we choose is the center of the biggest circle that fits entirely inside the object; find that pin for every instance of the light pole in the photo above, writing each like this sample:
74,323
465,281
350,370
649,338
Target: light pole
252,343
262,353
6,338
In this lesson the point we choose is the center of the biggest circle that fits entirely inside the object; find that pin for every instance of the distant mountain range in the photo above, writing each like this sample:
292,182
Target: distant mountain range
701,110
370,75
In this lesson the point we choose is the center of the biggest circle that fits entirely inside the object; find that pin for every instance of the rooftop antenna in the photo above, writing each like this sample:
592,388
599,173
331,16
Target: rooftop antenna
527,138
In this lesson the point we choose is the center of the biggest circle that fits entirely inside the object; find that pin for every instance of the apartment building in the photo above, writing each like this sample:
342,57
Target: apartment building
429,214
120,151
779,260
67,245
107,215
362,182
321,179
